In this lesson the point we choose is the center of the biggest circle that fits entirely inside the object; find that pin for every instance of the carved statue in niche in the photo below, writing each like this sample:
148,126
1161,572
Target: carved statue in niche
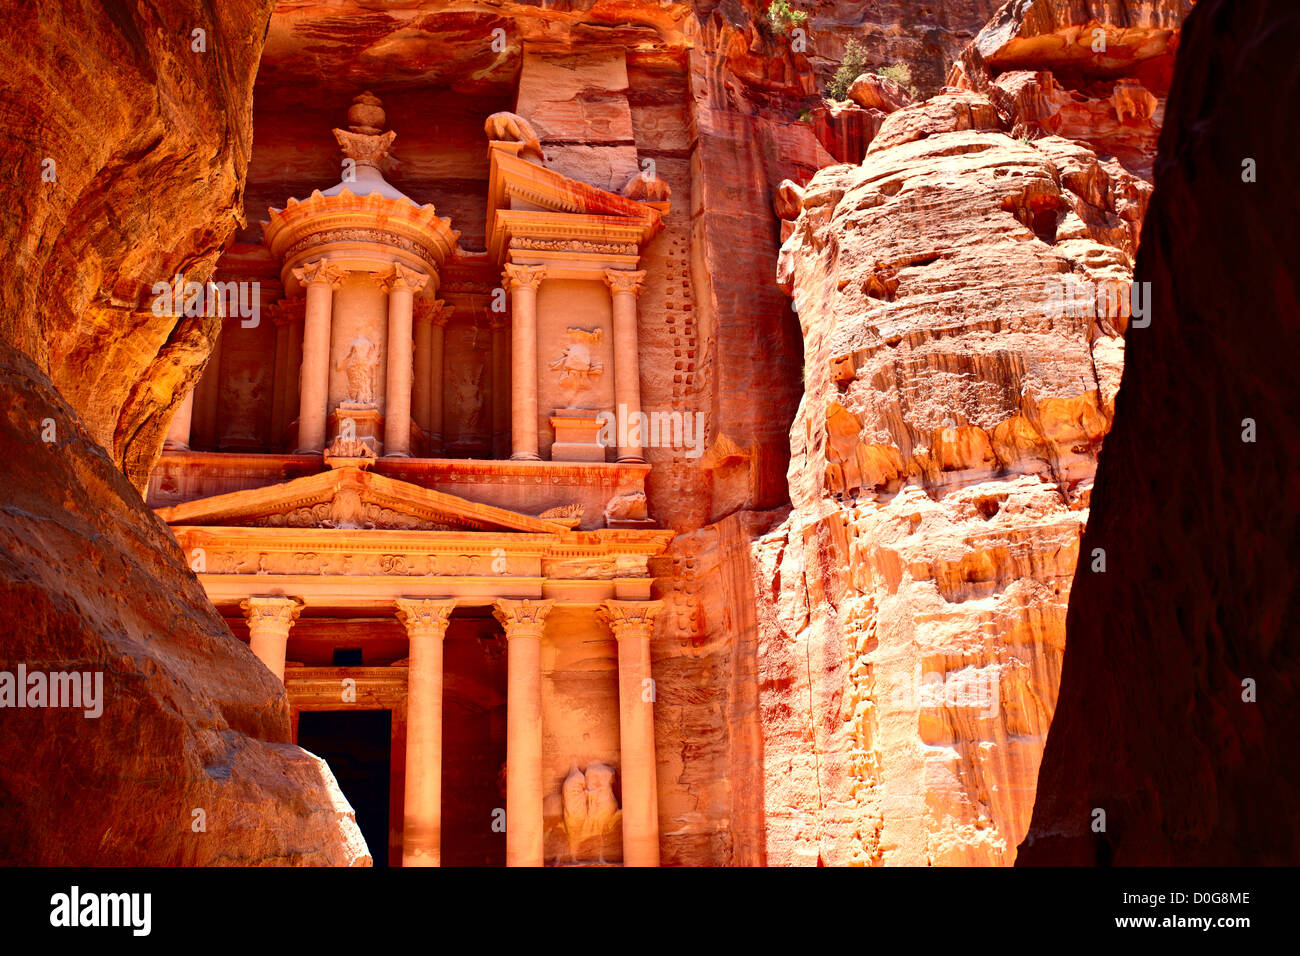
468,387
576,364
360,365
585,811
243,397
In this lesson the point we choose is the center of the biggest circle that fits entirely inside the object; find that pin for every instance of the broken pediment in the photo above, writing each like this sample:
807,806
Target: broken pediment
532,208
350,498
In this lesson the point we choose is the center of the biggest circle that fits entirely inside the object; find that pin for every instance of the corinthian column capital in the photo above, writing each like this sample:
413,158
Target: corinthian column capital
621,281
522,618
629,618
400,277
516,277
320,271
271,613
433,310
424,617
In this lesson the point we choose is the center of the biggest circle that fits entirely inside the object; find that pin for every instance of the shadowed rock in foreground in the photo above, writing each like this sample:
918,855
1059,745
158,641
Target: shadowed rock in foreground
1199,524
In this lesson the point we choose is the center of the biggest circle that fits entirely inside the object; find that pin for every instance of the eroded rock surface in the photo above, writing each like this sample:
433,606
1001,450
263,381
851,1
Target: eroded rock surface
189,761
912,607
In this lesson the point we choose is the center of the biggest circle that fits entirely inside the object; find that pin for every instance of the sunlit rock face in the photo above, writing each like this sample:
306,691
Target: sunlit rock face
1174,738
858,651
942,461
188,760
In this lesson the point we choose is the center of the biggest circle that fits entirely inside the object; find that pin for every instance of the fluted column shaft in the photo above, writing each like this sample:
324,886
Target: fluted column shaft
401,285
524,622
269,620
320,279
624,289
426,626
523,282
632,623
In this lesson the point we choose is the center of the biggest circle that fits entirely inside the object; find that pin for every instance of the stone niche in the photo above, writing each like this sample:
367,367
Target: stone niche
575,352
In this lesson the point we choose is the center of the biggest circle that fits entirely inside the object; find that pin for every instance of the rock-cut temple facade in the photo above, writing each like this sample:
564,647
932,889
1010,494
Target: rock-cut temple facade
405,485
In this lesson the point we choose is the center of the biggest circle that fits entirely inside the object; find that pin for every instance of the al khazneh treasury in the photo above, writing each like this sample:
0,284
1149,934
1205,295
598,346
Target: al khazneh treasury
396,489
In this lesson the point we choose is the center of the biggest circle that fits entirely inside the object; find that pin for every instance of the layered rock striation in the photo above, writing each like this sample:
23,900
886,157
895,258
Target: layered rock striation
963,299
128,134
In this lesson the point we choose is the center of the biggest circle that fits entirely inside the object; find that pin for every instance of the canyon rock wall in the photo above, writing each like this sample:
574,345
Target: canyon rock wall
1194,502
963,296
125,154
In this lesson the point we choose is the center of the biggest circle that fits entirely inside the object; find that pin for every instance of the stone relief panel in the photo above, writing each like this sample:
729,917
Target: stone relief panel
467,385
581,818
577,364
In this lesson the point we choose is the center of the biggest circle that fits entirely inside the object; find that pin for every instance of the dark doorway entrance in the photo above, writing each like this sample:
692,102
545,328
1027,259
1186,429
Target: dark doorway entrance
356,744
473,742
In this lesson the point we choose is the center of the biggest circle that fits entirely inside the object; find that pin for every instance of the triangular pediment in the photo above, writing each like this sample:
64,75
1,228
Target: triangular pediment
352,499
525,198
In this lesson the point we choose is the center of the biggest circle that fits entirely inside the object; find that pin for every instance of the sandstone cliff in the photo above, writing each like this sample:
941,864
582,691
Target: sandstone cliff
125,154
1157,725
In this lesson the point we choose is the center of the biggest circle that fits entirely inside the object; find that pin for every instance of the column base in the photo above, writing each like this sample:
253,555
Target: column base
170,445
397,454
309,451
630,460
525,456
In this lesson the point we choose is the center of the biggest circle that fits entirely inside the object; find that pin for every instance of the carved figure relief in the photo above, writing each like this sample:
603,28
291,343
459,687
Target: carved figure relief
468,386
243,398
576,363
360,365
585,812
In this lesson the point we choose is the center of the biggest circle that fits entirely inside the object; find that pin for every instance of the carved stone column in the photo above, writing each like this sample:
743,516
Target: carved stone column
401,285
522,282
269,620
420,387
426,626
178,433
632,623
320,279
438,318
283,397
524,622
624,287
500,377
203,428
